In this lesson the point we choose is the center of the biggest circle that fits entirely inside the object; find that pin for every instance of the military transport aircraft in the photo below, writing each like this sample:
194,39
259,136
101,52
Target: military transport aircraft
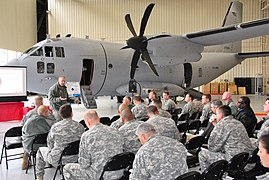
179,62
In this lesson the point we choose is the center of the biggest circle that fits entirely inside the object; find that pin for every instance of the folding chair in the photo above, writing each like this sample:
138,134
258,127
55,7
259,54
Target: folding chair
11,144
114,118
105,120
193,175
236,165
117,162
71,149
39,141
84,125
183,128
215,171
194,126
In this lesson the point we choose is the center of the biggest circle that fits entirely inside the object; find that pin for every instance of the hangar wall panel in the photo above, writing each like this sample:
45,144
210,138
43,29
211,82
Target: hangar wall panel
104,19
17,24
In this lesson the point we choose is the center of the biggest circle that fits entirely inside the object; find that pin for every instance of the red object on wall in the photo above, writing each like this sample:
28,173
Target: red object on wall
11,111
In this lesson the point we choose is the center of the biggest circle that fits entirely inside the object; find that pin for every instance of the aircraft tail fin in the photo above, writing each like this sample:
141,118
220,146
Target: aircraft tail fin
232,17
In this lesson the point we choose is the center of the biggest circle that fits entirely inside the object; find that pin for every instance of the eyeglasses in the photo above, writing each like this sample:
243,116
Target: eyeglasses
240,102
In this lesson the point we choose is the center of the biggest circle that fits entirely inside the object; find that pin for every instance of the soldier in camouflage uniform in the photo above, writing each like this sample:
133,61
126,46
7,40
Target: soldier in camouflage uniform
140,109
162,112
159,157
38,102
228,138
189,107
206,112
168,104
60,136
97,145
163,126
131,142
58,96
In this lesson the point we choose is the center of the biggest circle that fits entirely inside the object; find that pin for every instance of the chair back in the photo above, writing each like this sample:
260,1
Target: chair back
195,143
183,117
194,125
71,149
237,163
105,120
84,124
14,132
177,111
39,140
194,115
117,162
215,171
193,175
175,118
114,118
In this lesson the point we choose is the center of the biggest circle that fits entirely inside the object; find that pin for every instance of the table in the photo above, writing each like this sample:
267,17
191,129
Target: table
11,111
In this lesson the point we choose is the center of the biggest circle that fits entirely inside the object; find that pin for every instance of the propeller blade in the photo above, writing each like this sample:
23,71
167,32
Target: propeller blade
130,24
147,58
134,62
125,47
145,18
159,36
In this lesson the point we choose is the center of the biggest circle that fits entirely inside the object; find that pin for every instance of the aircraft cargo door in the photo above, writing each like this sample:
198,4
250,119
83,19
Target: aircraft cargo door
87,72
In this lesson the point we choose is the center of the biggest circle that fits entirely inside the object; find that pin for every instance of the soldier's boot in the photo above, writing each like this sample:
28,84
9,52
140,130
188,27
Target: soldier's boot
40,178
24,160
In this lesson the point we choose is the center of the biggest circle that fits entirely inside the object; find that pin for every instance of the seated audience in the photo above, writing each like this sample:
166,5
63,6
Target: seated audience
139,110
264,154
162,112
168,104
61,134
131,143
227,98
33,126
189,107
159,157
38,102
97,145
228,138
163,126
246,115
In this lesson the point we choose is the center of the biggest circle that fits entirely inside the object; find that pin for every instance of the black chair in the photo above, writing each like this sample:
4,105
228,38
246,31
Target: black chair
257,170
236,165
117,162
215,171
194,126
193,175
71,149
183,128
12,140
114,118
177,111
39,141
194,146
105,120
84,125
175,118
183,117
194,115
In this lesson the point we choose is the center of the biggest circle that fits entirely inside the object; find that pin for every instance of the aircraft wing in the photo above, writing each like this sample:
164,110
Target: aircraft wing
232,33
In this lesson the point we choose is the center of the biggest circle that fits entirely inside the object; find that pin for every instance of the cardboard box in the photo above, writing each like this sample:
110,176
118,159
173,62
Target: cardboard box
232,89
214,88
223,87
206,88
242,90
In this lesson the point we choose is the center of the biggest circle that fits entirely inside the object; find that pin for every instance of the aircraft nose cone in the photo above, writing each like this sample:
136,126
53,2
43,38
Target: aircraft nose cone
14,62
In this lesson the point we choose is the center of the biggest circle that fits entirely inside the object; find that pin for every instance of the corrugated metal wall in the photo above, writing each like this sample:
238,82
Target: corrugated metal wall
17,24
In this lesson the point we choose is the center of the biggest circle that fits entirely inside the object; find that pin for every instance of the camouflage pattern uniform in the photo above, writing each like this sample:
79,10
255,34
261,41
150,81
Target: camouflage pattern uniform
33,126
97,145
60,136
228,138
233,107
168,105
140,111
160,158
117,124
131,141
264,128
206,112
50,120
164,113
164,126
55,92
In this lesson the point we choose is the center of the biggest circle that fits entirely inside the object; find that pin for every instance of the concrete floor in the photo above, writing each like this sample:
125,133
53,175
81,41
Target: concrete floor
106,107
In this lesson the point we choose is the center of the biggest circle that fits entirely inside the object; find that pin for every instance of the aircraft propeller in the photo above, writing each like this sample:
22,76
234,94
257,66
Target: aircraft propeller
139,43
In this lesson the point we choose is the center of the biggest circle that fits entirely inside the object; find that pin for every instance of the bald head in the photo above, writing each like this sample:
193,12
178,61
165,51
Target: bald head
38,101
127,115
226,96
43,111
91,118
61,80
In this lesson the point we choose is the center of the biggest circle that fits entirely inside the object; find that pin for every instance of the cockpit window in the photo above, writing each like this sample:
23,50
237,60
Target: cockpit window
48,51
50,68
38,52
59,52
28,51
40,67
